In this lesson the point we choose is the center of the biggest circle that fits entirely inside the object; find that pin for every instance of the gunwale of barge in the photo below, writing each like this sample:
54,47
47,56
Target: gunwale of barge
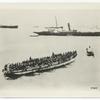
44,69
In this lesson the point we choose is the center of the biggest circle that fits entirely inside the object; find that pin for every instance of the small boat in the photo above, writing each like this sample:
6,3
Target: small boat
89,52
38,65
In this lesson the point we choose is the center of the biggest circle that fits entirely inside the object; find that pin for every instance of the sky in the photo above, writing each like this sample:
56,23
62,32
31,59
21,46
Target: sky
86,19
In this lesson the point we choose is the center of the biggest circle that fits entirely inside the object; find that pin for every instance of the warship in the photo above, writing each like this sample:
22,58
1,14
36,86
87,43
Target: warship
58,31
38,65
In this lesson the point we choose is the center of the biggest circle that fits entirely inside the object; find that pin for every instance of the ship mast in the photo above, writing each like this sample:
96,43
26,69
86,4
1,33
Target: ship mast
55,27
56,21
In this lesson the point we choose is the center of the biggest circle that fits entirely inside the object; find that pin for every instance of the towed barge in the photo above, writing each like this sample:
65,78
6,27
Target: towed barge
38,65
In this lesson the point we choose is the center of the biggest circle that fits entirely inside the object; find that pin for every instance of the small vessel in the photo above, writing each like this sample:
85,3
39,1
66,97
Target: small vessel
8,26
58,31
89,52
38,65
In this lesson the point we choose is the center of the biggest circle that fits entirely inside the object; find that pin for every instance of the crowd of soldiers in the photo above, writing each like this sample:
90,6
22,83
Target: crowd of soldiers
39,62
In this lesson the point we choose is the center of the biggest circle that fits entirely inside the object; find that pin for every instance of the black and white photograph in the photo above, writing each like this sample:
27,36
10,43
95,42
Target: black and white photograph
50,50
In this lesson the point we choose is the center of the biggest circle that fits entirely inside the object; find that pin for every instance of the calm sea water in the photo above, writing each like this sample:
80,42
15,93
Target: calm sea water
17,45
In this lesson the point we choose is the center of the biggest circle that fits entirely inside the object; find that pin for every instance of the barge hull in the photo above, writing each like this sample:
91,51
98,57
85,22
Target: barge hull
32,72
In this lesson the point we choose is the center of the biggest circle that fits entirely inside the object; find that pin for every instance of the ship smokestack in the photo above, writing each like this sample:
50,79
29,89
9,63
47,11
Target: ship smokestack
69,27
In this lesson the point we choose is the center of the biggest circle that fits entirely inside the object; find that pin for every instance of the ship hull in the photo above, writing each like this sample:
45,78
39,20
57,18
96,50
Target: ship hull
35,71
45,33
5,26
